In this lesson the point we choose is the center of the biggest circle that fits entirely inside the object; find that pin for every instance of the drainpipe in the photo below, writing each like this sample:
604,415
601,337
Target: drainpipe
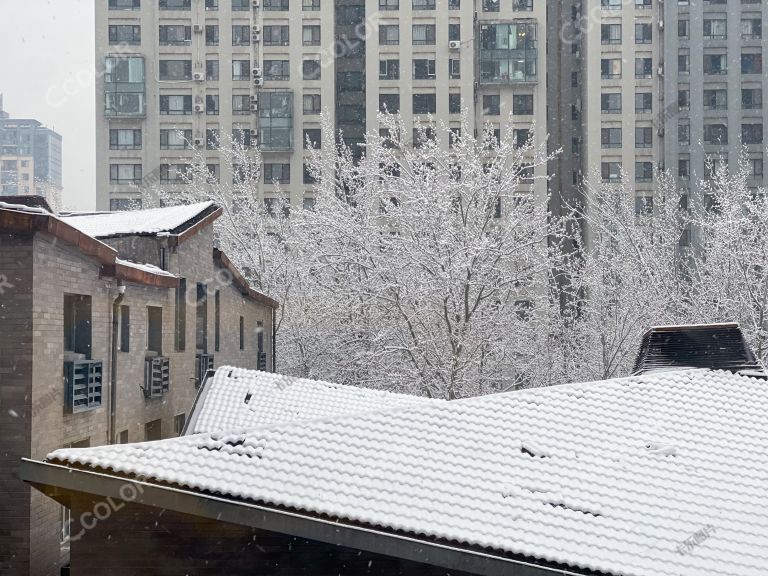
274,341
113,362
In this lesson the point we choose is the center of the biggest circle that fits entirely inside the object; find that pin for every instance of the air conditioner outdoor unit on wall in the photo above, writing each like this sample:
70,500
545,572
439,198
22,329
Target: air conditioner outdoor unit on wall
258,81
198,28
198,142
256,72
199,108
454,45
198,76
256,3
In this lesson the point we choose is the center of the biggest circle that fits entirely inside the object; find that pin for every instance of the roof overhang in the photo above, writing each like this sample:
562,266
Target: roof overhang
137,276
238,280
61,482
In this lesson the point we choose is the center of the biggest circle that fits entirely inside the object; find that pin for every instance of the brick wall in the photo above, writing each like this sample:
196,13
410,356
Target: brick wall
137,539
15,399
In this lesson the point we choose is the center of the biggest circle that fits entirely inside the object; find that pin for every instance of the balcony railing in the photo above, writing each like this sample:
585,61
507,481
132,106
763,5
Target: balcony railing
157,376
83,385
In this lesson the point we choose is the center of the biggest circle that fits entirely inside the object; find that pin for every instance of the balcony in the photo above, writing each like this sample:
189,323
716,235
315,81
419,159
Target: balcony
157,376
203,363
83,385
508,53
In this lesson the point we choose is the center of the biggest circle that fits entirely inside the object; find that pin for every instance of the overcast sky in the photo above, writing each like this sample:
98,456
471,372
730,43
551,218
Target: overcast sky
46,73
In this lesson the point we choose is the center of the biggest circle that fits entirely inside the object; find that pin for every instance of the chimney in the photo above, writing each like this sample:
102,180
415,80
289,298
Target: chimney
714,346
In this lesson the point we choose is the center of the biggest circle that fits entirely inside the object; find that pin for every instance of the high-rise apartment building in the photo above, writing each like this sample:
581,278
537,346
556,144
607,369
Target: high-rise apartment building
175,75
30,158
714,57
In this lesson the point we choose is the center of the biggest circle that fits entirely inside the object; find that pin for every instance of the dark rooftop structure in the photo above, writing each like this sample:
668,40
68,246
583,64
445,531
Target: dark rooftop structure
715,346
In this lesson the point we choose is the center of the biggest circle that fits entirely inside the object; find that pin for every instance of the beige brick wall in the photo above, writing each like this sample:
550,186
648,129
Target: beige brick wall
41,272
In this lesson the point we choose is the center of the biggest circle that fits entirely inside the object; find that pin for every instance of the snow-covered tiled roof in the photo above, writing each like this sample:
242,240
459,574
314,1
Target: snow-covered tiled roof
151,268
236,398
150,221
658,474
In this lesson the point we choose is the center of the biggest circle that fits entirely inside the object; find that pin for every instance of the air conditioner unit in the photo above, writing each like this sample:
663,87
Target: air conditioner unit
198,28
254,98
256,3
254,106
198,76
256,72
198,142
660,132
454,45
199,108
258,81
661,24
254,133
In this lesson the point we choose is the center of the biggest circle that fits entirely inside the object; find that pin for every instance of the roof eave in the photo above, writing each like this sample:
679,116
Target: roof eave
239,280
58,482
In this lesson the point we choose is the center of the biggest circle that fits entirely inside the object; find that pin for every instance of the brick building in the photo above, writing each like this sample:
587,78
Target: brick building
131,310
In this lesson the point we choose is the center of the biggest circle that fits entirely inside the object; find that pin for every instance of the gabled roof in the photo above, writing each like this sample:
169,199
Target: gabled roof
237,399
172,220
237,279
660,474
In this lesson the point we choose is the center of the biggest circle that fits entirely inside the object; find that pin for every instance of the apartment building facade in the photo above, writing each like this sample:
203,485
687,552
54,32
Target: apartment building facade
714,54
175,75
30,158
108,332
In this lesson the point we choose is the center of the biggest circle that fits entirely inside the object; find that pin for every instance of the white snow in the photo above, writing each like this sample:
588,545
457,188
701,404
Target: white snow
145,267
455,471
150,221
24,208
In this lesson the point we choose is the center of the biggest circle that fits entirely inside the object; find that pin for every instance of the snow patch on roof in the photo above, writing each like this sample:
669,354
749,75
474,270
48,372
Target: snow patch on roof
24,208
150,221
151,268
611,495
237,398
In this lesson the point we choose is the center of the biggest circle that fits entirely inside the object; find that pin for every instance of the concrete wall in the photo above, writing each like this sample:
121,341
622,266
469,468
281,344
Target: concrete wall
137,539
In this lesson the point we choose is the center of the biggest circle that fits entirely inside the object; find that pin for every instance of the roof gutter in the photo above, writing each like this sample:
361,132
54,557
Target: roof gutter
57,482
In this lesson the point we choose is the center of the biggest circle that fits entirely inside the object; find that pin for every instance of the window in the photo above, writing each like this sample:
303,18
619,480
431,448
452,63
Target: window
610,103
684,133
643,34
240,5
125,174
311,103
124,34
454,32
751,63
715,28
491,104
241,138
715,64
423,69
715,134
212,104
276,35
610,137
311,69
454,103
77,324
490,5
522,104
684,168
751,28
217,320
153,430
125,139
313,135
310,35
276,5
123,437
423,34
211,69
683,29
277,173
155,329
752,133
241,70
277,70
423,4
422,136
241,35
684,63
175,70
178,423
125,4
643,102
683,99
716,99
752,98
610,33
454,4
123,204
643,67
181,316
454,68
643,204
643,137
756,167
310,5
201,319
175,35
241,104
389,103
307,177
276,120
424,103
211,5
389,69
389,4
175,4
175,173
214,173
242,333
243,173
389,34
174,139
454,135
520,137
175,105
610,171
124,86
610,68
211,34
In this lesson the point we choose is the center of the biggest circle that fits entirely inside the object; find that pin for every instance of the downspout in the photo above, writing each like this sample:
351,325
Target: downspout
113,362
274,341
